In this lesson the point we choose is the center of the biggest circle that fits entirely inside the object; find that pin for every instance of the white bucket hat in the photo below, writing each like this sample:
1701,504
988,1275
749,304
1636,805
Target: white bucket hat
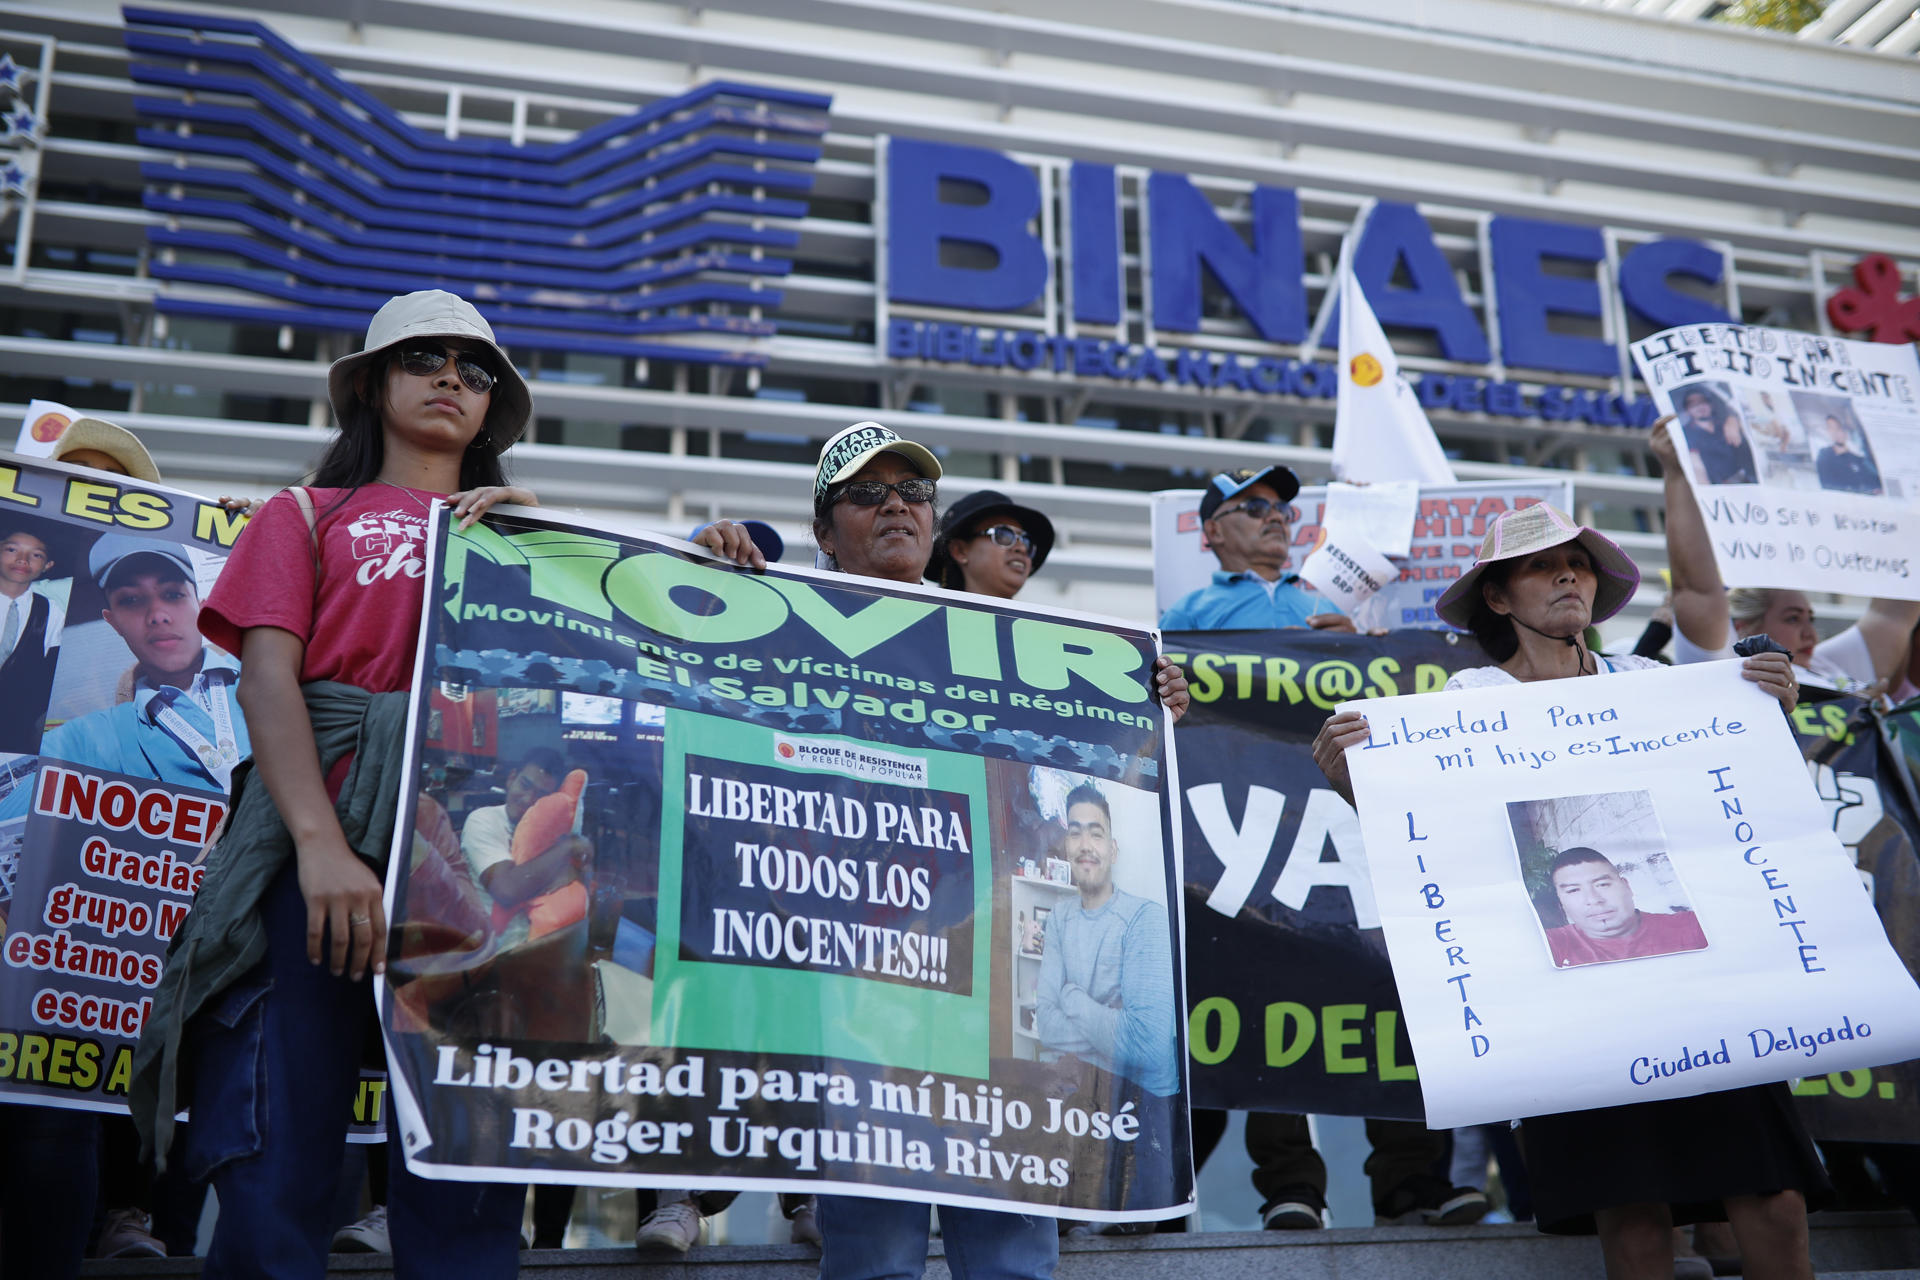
435,313
852,447
111,439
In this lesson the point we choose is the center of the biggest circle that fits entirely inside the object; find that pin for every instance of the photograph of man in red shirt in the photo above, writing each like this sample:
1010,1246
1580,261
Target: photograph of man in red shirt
1602,921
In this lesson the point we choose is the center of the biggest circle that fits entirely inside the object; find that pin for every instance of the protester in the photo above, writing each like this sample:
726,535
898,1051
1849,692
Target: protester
989,545
267,977
1857,658
873,505
1631,1172
1247,520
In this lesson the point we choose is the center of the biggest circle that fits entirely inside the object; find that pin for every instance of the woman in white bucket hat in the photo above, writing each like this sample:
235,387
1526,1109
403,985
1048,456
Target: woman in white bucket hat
1628,1173
265,1002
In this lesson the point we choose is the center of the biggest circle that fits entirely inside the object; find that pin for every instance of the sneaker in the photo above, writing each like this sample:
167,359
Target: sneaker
674,1226
369,1235
1294,1209
128,1233
803,1227
1431,1202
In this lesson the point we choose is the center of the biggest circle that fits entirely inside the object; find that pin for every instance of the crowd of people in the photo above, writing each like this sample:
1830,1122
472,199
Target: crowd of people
264,1014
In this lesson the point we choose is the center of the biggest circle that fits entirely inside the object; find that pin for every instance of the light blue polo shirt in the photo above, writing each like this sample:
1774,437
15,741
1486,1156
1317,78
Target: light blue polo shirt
1243,602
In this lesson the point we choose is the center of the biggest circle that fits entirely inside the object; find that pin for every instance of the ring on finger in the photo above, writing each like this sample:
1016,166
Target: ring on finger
357,920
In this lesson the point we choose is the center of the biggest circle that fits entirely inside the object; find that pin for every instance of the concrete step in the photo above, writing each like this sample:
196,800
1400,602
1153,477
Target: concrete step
1846,1246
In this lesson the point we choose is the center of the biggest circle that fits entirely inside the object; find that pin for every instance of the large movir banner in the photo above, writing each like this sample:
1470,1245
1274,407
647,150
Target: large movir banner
1605,891
119,729
1803,451
723,879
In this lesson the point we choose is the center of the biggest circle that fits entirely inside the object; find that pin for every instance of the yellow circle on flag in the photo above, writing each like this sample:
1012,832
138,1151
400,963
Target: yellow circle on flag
1365,370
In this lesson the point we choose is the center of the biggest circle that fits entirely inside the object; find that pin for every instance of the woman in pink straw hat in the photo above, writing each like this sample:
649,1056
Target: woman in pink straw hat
1632,1172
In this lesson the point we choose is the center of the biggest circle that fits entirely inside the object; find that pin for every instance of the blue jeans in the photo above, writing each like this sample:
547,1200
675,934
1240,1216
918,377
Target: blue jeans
887,1240
276,1060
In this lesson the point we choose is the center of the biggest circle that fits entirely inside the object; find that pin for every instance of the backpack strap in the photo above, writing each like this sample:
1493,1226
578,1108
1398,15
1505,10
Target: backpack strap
303,498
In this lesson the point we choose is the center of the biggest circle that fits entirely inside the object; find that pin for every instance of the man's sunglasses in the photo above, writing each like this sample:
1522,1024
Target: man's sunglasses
1259,507
1007,536
871,493
424,362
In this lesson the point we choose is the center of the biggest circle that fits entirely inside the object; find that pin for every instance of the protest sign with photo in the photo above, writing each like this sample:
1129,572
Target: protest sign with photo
1858,775
1607,891
1290,996
1448,525
119,729
723,879
1803,451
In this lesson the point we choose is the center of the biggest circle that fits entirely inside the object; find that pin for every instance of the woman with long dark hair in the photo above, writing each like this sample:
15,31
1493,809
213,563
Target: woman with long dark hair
265,1002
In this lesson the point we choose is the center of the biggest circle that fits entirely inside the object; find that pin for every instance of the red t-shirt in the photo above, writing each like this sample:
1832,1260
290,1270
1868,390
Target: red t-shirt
1660,933
361,621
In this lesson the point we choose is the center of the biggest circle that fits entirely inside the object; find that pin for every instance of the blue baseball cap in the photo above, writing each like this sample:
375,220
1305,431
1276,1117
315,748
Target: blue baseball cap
1228,484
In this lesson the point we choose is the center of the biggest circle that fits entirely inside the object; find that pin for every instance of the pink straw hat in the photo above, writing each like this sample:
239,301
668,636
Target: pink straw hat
1530,529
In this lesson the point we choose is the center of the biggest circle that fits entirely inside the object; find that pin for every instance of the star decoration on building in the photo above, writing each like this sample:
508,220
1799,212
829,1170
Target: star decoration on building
23,123
13,180
9,72
1875,305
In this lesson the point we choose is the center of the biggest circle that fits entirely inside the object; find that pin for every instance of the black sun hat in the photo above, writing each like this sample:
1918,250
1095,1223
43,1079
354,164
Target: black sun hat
967,512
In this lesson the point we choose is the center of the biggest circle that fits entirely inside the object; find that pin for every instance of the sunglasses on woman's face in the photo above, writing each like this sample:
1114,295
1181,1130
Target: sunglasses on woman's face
424,362
1007,536
871,493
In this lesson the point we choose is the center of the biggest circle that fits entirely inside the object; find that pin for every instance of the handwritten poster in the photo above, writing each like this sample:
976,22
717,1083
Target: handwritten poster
1448,524
1605,891
1804,453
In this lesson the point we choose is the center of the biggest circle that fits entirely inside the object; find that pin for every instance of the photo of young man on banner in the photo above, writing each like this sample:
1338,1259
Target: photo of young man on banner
725,878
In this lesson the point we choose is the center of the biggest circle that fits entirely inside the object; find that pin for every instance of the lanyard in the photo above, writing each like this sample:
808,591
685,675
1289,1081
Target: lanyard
217,757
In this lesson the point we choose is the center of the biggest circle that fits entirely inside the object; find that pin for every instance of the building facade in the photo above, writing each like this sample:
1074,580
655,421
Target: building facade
1083,249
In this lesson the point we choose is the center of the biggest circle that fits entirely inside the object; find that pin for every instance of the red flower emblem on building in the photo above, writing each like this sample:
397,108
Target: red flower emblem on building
1876,305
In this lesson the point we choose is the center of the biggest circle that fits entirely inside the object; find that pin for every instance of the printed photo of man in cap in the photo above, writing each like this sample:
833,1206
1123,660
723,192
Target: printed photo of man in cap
180,722
1248,520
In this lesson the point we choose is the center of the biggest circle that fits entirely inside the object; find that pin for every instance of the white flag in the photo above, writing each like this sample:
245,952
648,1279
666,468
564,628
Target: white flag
1380,432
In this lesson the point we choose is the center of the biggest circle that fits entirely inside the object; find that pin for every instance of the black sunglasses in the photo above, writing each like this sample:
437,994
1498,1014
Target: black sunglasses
871,493
424,362
1004,535
1259,507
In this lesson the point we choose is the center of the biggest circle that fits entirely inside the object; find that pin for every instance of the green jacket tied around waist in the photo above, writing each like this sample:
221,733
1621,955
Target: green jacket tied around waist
223,935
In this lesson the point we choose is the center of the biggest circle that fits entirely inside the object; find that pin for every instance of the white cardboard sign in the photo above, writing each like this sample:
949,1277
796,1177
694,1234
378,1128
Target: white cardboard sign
1602,891
1803,451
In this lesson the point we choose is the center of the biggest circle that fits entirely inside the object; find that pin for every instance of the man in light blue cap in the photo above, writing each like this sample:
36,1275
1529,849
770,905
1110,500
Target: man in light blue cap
178,721
1247,517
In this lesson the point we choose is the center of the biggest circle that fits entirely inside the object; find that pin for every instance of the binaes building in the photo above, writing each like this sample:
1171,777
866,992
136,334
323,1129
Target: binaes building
1082,249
